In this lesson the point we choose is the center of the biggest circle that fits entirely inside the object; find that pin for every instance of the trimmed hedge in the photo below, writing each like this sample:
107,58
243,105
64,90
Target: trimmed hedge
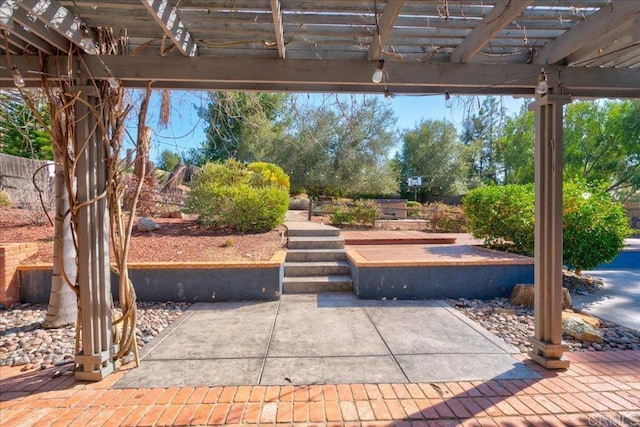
252,198
594,226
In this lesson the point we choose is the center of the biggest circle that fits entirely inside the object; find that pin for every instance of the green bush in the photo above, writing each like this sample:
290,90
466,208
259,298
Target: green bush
502,216
594,226
360,212
5,200
230,195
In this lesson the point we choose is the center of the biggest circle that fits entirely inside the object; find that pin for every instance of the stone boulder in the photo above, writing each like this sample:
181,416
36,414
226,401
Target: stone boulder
580,330
523,294
146,224
590,320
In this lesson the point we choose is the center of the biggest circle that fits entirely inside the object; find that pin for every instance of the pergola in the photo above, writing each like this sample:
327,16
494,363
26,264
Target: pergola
587,49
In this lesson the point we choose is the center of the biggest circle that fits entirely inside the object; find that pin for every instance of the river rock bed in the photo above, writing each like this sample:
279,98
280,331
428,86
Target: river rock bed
515,324
23,341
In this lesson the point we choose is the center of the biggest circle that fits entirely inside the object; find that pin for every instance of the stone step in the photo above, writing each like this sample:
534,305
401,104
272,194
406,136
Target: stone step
315,242
316,255
309,285
311,230
306,269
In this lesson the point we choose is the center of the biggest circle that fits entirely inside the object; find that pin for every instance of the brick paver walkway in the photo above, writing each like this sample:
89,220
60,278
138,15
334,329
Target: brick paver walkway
598,389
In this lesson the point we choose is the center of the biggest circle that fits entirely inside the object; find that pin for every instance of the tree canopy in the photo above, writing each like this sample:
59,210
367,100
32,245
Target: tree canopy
21,133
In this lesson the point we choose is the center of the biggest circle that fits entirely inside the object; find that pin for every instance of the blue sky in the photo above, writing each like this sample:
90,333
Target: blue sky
186,130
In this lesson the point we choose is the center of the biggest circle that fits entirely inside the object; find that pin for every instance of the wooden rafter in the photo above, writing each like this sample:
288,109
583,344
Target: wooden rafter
39,29
6,15
619,36
276,11
55,16
172,26
595,26
502,14
32,40
385,25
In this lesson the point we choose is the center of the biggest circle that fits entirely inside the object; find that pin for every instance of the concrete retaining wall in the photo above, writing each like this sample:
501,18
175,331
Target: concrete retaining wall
418,282
191,282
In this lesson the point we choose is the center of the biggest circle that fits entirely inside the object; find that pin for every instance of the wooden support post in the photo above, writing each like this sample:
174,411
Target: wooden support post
547,340
95,360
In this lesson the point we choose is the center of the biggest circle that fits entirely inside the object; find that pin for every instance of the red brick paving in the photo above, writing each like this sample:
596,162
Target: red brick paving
598,389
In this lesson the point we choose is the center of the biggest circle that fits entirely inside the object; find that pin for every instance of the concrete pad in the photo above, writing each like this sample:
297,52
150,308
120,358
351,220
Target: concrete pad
221,330
304,328
463,367
192,373
618,301
332,370
420,327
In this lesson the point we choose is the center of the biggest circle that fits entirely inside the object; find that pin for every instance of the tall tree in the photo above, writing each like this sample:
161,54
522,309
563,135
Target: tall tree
236,122
481,134
433,151
517,144
602,143
339,147
168,160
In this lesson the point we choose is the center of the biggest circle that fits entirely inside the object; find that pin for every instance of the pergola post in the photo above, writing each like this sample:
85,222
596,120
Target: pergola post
547,340
95,359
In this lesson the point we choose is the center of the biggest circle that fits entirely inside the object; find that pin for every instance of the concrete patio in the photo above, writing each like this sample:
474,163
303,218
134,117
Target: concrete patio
326,338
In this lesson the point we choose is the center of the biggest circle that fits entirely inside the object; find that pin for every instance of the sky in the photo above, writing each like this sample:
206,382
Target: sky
186,130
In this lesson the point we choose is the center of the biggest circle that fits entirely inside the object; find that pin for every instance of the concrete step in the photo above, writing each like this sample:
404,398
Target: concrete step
323,230
306,269
308,285
316,255
315,242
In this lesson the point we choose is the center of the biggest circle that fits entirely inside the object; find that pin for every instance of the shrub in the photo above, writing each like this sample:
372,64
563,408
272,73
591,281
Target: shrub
594,226
415,209
248,199
5,200
359,212
502,216
446,218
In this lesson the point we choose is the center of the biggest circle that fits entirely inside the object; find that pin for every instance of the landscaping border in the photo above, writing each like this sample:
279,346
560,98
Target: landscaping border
436,280
188,282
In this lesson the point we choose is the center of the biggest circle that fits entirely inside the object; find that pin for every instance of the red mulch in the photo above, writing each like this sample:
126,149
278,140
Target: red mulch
178,240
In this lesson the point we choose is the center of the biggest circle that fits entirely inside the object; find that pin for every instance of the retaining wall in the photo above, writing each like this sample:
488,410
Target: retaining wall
425,280
190,282
11,255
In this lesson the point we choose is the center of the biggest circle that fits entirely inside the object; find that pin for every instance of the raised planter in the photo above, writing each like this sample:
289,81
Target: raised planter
190,282
413,280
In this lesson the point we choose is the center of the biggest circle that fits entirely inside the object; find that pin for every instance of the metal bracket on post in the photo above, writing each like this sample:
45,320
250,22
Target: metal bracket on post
547,341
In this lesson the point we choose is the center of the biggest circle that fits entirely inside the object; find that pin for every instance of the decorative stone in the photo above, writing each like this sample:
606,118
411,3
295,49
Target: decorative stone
523,294
146,224
592,321
580,330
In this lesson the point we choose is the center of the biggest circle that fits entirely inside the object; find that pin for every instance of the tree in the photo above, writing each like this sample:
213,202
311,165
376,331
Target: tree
481,134
168,160
602,144
22,134
433,151
517,144
339,148
238,122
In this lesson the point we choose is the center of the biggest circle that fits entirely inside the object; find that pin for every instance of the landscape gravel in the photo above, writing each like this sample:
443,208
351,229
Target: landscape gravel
515,324
23,341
